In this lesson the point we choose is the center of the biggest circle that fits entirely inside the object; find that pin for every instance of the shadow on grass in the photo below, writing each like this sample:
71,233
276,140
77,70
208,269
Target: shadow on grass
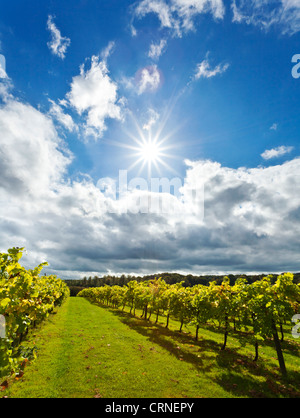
169,340
235,372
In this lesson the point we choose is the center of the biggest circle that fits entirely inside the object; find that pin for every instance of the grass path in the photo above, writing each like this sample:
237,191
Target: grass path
85,351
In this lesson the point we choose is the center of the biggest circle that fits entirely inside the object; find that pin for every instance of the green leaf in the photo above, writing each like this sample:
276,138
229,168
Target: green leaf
4,302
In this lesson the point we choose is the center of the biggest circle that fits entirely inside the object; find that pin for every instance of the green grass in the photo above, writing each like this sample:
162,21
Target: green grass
87,351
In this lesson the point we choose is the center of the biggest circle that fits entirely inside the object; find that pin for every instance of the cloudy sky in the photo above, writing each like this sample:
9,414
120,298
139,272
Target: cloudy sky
106,103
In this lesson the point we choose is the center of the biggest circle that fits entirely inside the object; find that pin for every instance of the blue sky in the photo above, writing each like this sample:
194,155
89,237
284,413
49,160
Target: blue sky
210,81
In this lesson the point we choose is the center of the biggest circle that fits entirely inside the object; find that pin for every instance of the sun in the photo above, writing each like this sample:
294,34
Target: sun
150,151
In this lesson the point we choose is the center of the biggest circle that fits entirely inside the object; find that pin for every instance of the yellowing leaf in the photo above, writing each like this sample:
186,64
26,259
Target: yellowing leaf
4,302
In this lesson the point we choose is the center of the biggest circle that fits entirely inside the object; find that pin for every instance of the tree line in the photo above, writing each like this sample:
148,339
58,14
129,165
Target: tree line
189,280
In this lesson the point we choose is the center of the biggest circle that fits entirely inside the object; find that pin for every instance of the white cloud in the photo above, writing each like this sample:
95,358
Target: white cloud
58,44
237,15
282,14
148,79
158,7
251,222
133,31
156,50
274,127
276,152
179,15
32,161
204,70
95,95
108,50
5,88
189,9
152,118
62,118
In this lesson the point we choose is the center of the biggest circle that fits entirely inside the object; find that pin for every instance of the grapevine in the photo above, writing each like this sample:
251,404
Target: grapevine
26,298
260,307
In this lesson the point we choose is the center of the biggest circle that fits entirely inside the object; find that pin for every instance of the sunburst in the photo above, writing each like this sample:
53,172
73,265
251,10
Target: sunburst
149,151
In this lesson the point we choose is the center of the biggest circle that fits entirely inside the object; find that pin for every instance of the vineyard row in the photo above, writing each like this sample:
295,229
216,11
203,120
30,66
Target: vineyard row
25,299
261,307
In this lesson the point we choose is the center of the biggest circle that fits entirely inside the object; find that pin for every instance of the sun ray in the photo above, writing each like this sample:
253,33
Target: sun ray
167,166
134,164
